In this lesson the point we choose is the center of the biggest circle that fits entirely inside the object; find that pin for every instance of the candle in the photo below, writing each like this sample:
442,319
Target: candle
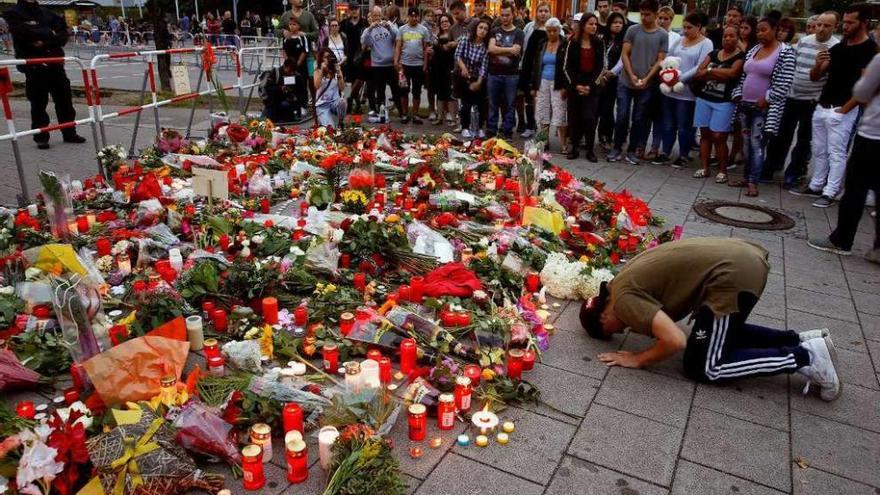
207,308
91,217
529,360
103,246
292,418
270,310
408,351
330,354
71,395
123,263
360,281
446,412
216,366
82,224
345,260
462,319
224,242
374,354
261,436
292,436
408,203
473,371
502,438
514,210
415,452
297,461
212,348
25,409
515,364
370,374
353,376
404,292
533,282
253,477
417,285
326,437
300,316
264,206
33,210
219,319
482,440
435,443
346,323
463,393
463,440
195,332
418,422
385,370
508,427
448,318
499,182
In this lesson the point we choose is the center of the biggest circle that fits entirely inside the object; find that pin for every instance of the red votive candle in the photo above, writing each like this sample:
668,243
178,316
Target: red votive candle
219,319
374,354
270,310
224,242
345,260
385,370
473,371
499,182
71,395
253,477
207,308
418,422
446,412
297,461
448,318
362,314
462,319
330,353
292,418
533,282
211,348
360,281
103,246
301,316
417,285
346,323
528,360
515,364
404,293
408,351
82,224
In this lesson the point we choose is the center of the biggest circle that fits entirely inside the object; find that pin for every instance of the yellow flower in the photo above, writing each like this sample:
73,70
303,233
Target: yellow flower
487,375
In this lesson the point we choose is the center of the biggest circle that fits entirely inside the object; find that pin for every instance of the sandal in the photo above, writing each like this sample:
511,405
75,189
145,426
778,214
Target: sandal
737,183
752,191
701,173
721,178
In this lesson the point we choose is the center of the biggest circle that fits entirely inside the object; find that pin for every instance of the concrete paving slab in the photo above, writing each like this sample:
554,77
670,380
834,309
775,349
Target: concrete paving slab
836,448
650,395
457,475
585,478
692,478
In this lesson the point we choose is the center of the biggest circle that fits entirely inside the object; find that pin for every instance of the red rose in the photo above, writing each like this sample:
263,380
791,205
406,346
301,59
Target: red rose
237,133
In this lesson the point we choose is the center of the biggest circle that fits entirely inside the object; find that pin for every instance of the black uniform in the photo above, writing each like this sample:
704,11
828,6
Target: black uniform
36,33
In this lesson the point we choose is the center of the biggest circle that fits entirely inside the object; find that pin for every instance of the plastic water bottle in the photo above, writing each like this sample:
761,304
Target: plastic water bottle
385,116
475,120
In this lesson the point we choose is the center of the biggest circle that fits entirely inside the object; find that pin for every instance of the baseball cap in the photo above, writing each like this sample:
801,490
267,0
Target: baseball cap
413,11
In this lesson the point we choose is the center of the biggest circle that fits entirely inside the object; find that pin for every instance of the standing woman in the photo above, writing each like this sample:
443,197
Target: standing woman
584,63
718,74
767,76
534,34
608,92
547,80
678,108
748,33
442,64
472,68
337,43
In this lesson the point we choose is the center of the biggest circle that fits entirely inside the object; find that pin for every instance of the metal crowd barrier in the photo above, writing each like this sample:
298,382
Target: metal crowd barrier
14,135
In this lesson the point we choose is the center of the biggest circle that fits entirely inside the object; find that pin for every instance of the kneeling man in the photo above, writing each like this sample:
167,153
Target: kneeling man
717,282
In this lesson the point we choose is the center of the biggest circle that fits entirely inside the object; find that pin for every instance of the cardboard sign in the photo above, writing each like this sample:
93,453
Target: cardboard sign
5,81
289,80
211,183
180,80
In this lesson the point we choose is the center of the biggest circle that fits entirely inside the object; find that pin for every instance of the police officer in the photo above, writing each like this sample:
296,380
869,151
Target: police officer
38,32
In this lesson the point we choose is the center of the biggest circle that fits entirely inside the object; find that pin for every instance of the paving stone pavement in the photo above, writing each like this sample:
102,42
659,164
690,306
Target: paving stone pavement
618,431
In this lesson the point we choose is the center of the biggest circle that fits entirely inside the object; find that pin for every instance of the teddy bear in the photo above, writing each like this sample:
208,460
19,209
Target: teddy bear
669,74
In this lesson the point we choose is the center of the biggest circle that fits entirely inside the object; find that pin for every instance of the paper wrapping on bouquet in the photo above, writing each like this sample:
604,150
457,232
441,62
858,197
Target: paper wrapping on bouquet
201,431
551,221
140,457
14,375
132,371
427,241
425,330
55,258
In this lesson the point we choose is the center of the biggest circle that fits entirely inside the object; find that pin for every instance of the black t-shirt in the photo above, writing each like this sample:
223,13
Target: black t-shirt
847,64
506,64
296,46
228,26
353,31
719,91
715,36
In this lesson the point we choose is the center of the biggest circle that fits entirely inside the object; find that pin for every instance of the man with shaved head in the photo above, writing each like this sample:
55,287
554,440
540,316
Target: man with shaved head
801,103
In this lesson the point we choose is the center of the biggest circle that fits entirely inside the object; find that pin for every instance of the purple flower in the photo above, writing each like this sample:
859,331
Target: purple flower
543,340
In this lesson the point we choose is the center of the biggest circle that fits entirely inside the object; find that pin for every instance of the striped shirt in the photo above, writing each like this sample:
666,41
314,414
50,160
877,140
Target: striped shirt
780,84
805,58
475,57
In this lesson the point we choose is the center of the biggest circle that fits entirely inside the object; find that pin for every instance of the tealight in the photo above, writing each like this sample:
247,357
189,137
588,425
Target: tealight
416,452
556,305
508,427
481,440
502,438
463,440
435,442
399,376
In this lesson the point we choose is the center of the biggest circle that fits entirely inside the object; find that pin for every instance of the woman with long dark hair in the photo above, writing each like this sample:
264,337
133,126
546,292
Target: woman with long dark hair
471,71
584,63
442,64
767,76
608,91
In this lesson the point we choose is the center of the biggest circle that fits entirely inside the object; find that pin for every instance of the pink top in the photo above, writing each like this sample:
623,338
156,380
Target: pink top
758,72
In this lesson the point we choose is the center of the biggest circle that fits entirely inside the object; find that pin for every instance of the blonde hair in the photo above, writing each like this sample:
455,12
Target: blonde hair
666,9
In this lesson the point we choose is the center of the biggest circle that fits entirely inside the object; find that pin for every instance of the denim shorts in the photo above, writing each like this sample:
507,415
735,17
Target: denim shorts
718,117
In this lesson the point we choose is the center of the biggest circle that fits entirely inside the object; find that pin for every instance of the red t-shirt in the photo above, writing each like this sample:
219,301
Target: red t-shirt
587,59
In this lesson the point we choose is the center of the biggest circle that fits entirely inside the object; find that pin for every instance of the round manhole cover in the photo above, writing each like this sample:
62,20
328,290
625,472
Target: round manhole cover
743,215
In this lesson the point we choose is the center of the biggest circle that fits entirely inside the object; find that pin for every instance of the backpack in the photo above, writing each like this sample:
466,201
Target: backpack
264,79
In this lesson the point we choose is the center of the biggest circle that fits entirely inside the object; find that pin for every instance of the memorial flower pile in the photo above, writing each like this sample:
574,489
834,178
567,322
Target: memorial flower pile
211,295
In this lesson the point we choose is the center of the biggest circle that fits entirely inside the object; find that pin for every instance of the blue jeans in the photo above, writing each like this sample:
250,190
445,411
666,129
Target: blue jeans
502,93
638,100
678,121
751,119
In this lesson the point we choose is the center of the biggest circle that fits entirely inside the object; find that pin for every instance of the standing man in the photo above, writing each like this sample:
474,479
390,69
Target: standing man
644,47
353,27
228,28
381,38
603,10
38,32
734,15
836,115
185,25
505,51
480,13
862,173
717,281
801,103
411,59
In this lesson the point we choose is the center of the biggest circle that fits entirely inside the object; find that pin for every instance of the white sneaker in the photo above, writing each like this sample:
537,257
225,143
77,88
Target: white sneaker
373,117
433,116
466,134
818,333
481,134
822,369
527,133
